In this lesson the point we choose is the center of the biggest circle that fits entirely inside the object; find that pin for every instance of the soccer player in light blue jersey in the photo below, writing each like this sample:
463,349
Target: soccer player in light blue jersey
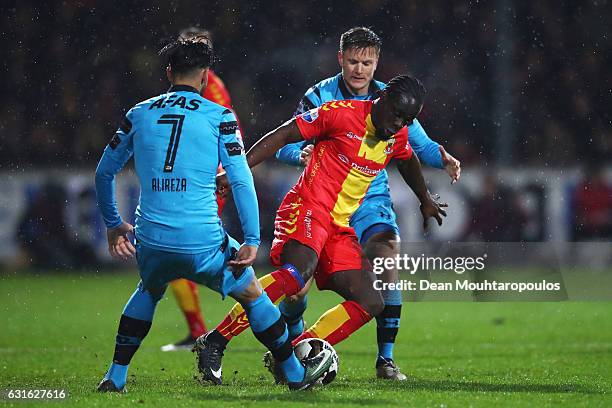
375,220
178,140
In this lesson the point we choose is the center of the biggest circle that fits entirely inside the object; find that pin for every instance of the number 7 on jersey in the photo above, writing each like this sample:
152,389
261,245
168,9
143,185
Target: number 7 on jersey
175,136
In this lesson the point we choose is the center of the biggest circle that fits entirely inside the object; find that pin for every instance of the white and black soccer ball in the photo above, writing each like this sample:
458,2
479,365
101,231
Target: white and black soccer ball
308,348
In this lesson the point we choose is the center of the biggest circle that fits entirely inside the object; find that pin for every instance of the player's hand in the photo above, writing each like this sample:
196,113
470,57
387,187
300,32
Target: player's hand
306,155
119,244
245,257
432,207
223,186
451,165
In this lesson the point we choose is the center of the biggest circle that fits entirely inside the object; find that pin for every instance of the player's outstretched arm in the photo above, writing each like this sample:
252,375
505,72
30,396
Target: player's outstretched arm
267,146
410,169
432,153
451,165
426,149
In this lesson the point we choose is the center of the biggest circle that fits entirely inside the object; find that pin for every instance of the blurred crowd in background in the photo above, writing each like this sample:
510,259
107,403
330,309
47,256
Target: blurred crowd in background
535,74
72,68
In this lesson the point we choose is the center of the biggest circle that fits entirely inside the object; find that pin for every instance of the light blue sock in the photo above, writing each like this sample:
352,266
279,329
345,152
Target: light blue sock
293,312
134,325
270,329
387,324
293,369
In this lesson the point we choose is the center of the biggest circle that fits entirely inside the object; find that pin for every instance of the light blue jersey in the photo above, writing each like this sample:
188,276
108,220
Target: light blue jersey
377,199
178,140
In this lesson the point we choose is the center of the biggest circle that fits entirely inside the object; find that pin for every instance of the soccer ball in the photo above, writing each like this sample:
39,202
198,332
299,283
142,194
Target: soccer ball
311,347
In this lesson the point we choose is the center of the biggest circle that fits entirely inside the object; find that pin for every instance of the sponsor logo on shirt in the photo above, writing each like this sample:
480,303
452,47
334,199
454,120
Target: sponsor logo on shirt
308,223
227,128
351,135
234,149
365,169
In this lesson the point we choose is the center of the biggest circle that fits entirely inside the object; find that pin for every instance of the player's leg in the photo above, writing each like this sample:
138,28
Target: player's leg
287,280
298,266
270,329
134,326
377,230
137,315
362,302
386,244
295,249
292,308
188,299
267,324
187,296
343,270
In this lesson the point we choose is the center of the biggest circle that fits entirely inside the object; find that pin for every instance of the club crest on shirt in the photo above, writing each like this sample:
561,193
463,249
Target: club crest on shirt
389,148
311,115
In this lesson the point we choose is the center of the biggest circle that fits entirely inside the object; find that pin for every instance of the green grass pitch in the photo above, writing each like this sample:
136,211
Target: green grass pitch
58,332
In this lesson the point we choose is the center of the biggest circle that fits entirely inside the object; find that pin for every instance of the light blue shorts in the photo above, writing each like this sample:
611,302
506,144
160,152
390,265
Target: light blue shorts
158,268
374,215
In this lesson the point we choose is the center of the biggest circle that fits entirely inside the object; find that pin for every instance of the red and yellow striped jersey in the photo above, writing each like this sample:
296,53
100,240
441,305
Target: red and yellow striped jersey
347,156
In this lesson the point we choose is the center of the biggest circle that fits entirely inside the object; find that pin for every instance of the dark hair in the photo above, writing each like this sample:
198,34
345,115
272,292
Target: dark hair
195,31
360,37
408,87
187,54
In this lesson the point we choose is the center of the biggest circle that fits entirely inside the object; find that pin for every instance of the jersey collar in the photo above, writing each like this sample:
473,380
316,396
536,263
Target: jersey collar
183,88
346,94
373,88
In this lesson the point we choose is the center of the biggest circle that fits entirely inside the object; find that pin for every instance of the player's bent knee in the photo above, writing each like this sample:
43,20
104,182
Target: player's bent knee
303,258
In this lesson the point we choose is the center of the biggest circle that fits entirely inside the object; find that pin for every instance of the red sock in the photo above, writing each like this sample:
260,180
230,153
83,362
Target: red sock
195,319
197,327
277,285
186,293
337,323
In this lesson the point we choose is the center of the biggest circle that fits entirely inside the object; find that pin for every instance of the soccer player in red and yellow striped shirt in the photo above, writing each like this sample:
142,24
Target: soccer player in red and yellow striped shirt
355,140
